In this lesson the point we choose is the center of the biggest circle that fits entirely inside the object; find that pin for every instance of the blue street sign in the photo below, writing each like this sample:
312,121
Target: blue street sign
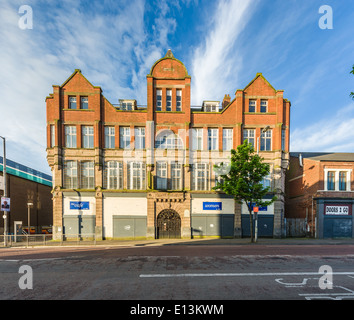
212,205
79,205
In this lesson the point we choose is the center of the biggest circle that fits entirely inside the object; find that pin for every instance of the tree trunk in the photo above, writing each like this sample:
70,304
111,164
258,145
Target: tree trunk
251,225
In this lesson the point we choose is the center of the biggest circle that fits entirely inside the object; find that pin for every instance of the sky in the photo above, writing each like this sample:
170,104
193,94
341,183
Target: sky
223,45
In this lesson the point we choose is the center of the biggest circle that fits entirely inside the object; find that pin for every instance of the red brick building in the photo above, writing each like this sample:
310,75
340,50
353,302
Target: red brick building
320,189
123,171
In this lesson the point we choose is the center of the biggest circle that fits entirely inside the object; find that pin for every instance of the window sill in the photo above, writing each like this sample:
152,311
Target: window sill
261,113
162,111
342,191
67,109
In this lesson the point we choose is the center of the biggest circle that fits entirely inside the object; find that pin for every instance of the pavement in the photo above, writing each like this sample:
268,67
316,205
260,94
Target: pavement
192,242
227,242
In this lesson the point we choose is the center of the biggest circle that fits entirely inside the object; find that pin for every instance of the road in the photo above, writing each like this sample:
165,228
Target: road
179,272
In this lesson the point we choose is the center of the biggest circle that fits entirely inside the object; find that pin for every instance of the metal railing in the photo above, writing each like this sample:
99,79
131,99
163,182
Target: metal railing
32,240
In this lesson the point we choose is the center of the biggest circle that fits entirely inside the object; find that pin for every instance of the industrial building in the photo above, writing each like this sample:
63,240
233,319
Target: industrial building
26,186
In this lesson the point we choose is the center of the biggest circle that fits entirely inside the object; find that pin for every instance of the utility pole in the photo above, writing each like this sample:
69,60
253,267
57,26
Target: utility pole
5,188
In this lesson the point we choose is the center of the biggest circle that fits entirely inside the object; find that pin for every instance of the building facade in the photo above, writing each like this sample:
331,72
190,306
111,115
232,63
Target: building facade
25,185
320,189
126,171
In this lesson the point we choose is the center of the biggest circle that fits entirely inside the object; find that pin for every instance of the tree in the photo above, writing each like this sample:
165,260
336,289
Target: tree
243,178
352,93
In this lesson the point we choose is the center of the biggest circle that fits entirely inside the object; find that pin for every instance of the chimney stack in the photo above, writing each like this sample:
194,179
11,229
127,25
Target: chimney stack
226,101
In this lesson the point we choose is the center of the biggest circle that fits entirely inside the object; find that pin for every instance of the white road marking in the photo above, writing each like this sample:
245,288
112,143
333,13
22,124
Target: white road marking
261,274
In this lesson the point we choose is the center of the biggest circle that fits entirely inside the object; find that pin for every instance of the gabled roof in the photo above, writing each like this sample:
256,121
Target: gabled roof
260,75
78,71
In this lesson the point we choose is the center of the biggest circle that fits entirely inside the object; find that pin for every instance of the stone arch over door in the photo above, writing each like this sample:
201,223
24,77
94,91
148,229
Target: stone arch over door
168,224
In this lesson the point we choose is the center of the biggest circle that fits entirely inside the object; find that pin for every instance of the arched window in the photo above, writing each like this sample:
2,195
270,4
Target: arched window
167,139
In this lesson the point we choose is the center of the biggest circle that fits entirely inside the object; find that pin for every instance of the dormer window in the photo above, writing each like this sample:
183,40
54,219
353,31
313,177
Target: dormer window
211,106
127,105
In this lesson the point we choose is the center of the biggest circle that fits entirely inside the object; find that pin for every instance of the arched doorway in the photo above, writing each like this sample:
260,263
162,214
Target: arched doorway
168,225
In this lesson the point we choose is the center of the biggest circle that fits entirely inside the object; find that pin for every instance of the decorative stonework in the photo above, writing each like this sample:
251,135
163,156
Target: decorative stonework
177,201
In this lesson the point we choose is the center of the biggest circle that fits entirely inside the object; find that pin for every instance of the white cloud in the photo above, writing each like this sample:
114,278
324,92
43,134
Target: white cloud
217,59
111,46
333,135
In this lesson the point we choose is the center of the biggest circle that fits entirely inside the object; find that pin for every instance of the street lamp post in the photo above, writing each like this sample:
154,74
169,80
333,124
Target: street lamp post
29,205
5,189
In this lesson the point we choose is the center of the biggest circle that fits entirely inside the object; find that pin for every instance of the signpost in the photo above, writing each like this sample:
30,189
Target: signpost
255,211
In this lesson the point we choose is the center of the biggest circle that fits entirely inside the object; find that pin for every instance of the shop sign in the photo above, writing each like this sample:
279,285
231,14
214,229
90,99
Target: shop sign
338,209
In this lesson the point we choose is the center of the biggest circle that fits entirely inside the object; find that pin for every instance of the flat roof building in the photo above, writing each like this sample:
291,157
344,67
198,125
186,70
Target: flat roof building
26,185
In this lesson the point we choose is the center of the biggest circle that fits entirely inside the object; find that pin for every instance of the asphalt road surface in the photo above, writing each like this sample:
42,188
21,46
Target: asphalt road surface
179,272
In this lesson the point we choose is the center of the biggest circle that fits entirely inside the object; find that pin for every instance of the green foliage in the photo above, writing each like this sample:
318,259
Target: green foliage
243,178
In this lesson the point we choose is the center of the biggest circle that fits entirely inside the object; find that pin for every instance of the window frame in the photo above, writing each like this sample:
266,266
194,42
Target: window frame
283,139
250,137
213,139
139,138
84,104
337,183
70,134
124,138
158,99
113,175
161,175
71,103
90,170
136,181
109,137
201,179
87,137
249,105
266,141
179,100
176,179
168,100
262,110
197,139
342,182
227,139
168,140
52,135
70,181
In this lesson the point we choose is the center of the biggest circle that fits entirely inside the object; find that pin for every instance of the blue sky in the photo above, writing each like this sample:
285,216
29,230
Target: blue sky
222,43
